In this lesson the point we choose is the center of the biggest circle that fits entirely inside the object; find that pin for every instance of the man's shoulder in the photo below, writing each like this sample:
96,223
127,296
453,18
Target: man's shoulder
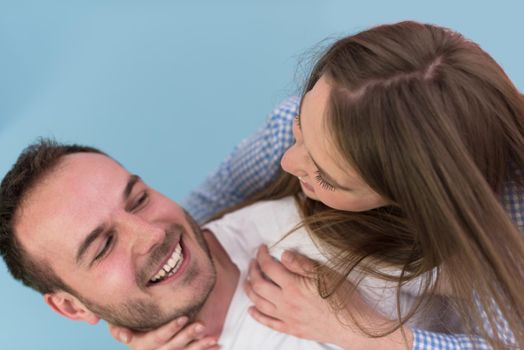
263,212
266,220
286,203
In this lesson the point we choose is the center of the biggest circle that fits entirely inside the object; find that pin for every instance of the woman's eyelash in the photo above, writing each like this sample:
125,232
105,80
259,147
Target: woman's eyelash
297,118
323,183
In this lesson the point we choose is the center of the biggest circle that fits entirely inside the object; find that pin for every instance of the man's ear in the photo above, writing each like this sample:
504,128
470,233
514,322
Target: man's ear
69,306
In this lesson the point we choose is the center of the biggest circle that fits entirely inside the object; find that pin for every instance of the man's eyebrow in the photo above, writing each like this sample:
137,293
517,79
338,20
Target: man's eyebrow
93,235
133,179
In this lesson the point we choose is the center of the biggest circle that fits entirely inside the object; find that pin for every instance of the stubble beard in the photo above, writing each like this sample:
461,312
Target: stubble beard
143,315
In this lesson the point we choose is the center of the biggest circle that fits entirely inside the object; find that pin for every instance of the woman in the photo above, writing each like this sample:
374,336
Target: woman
407,140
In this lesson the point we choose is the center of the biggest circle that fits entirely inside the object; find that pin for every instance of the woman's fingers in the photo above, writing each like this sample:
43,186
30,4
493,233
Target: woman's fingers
261,285
260,303
298,263
183,339
267,321
151,339
273,269
207,343
121,334
171,336
190,339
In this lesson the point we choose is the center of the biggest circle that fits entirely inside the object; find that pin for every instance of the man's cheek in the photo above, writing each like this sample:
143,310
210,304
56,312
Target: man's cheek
113,279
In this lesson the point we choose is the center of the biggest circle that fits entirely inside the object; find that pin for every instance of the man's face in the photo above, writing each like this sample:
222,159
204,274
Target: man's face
132,256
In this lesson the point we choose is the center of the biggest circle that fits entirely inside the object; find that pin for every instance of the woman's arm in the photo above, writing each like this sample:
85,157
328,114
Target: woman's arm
513,201
425,340
285,299
252,164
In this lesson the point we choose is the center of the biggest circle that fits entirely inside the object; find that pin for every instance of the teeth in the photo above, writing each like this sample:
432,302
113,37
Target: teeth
172,265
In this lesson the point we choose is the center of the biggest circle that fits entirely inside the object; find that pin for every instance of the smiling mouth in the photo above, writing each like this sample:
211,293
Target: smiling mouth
171,266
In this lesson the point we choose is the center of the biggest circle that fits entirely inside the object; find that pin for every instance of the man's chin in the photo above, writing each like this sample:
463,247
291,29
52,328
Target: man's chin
140,323
140,328
152,322
143,316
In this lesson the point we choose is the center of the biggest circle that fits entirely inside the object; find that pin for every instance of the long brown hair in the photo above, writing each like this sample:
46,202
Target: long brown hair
433,124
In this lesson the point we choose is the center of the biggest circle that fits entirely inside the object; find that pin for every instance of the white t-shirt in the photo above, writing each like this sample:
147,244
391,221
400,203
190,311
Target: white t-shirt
267,222
241,233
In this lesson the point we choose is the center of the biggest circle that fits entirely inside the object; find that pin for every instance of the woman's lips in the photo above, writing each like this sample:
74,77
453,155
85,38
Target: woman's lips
307,186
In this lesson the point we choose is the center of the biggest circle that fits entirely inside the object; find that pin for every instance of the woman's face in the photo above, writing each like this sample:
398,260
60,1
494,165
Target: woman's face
323,173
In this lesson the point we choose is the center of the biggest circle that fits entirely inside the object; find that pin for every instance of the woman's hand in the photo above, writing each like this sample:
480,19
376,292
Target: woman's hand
286,299
171,336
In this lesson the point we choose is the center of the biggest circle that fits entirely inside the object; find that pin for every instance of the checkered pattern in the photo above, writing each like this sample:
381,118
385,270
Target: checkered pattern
513,199
424,340
251,165
256,160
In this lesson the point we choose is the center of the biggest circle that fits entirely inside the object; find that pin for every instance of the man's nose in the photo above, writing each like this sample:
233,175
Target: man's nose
142,235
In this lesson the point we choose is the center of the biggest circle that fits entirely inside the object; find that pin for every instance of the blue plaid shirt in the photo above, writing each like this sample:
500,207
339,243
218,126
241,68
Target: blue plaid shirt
254,163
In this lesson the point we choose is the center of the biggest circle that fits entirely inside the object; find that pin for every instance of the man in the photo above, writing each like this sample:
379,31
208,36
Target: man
98,243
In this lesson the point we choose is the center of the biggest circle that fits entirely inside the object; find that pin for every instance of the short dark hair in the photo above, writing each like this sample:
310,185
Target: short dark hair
33,164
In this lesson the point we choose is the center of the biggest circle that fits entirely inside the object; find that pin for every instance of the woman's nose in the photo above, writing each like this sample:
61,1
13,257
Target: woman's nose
293,162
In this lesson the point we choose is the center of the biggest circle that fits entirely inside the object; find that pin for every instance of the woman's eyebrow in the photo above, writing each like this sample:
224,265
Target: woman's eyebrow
322,172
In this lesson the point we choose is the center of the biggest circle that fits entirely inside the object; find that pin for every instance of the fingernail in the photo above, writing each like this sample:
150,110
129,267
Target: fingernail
287,257
199,328
211,342
125,338
182,321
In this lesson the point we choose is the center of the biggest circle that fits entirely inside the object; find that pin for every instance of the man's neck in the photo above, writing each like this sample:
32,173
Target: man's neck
213,313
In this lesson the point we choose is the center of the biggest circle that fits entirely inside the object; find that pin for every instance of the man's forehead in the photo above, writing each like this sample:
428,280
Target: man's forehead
92,162
75,178
71,198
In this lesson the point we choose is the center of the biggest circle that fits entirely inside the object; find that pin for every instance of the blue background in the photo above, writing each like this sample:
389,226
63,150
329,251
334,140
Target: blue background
169,87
